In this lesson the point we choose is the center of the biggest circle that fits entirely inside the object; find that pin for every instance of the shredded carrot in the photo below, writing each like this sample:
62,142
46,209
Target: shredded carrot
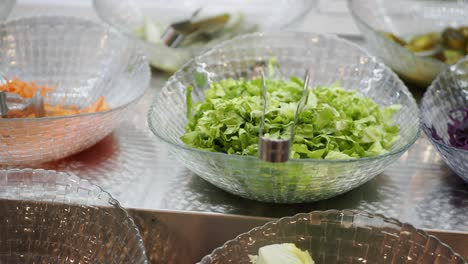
28,89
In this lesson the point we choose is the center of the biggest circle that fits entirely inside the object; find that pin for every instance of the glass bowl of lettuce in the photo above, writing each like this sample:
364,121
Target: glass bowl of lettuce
444,110
358,119
146,21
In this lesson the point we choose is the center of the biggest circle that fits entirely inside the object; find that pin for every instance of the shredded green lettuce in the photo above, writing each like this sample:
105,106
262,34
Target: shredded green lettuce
334,124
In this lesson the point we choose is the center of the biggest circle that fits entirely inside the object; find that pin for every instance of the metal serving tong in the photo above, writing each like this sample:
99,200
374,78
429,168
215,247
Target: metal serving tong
279,150
177,32
12,104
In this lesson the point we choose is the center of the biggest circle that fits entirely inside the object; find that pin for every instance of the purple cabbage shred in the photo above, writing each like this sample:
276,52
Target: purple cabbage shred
457,129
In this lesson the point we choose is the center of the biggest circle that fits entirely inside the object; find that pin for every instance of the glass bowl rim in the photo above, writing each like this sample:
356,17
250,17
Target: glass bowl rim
395,45
78,20
299,16
332,211
111,200
394,152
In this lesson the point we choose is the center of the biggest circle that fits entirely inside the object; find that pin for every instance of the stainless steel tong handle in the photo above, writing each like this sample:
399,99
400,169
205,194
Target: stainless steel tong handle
3,104
279,150
172,37
14,102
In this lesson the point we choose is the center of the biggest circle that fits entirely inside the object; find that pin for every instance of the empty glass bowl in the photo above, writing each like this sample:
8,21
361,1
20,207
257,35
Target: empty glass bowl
341,237
129,16
5,8
55,217
330,59
448,92
82,61
406,19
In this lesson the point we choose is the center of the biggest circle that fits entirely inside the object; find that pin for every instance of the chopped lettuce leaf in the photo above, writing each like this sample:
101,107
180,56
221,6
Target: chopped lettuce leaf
188,100
286,253
334,124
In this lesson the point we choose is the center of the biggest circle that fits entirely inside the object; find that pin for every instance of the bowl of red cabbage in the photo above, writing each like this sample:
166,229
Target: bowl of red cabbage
358,117
444,109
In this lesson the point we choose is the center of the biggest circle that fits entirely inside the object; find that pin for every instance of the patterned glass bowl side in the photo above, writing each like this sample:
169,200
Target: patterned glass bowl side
448,92
340,237
128,15
5,8
405,19
55,217
82,60
331,59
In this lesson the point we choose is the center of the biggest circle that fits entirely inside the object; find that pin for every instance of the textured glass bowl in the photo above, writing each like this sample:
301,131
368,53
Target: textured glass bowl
54,217
448,92
82,60
5,8
127,15
330,59
405,19
341,237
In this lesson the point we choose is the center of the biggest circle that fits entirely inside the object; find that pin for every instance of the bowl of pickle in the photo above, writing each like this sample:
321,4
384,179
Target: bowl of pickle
172,32
418,40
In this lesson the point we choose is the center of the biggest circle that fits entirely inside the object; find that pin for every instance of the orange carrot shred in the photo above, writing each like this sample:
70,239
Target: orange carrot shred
28,89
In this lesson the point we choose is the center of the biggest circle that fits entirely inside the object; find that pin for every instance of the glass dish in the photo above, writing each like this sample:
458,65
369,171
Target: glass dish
298,180
448,92
81,60
341,237
5,8
55,217
405,19
128,15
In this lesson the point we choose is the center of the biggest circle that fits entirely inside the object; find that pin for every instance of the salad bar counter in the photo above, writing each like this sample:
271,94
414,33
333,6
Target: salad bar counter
172,204
358,169
182,217
140,171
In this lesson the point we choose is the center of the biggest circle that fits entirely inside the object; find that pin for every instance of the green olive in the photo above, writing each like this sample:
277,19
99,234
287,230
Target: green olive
453,39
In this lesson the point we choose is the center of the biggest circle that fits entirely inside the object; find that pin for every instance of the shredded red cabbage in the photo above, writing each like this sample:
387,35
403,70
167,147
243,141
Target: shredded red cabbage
458,129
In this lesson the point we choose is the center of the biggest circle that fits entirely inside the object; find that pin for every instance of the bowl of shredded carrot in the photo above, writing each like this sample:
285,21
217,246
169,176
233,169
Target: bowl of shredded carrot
87,75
